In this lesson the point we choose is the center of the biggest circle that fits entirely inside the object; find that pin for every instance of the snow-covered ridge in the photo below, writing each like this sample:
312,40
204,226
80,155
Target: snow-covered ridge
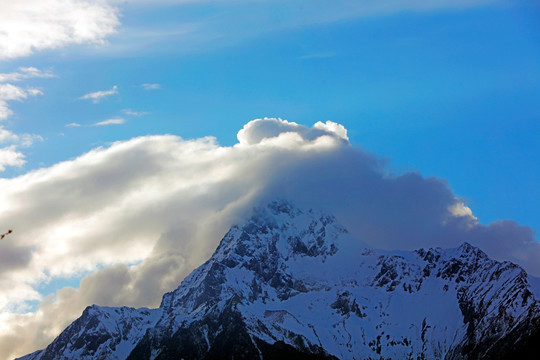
295,280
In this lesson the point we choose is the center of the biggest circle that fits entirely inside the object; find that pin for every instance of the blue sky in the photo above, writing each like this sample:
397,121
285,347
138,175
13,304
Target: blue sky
451,93
449,89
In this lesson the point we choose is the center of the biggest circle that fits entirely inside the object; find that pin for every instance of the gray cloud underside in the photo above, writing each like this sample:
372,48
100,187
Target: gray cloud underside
148,210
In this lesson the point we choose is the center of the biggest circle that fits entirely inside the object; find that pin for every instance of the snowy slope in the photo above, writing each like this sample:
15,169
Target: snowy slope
291,281
101,333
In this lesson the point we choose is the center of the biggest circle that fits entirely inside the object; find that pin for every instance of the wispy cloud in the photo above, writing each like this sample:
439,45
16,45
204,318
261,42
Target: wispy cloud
112,121
151,86
231,22
97,96
135,113
10,92
25,73
73,124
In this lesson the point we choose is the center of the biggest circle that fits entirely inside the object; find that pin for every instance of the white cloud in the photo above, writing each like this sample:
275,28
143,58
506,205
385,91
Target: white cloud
27,26
10,92
113,121
97,96
163,203
73,124
151,86
6,135
258,130
9,156
5,111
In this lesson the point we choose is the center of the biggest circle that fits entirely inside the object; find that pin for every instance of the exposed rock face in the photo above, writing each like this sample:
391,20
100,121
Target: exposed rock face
295,284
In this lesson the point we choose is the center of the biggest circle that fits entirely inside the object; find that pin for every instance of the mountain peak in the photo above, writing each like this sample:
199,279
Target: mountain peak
467,249
282,206
290,230
261,250
294,283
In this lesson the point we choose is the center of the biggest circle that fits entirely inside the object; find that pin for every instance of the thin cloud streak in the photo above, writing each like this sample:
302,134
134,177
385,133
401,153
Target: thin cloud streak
97,96
135,113
151,86
73,124
113,121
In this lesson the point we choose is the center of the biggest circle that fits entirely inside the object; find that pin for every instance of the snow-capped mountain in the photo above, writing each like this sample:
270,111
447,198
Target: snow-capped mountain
290,283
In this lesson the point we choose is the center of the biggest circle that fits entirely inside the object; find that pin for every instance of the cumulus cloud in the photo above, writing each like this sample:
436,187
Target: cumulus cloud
257,131
27,26
97,96
139,215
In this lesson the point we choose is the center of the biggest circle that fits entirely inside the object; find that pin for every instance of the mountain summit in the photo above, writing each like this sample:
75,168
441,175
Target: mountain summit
292,283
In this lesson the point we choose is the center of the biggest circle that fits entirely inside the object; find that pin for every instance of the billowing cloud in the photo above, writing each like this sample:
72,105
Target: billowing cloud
139,215
257,131
97,96
27,26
